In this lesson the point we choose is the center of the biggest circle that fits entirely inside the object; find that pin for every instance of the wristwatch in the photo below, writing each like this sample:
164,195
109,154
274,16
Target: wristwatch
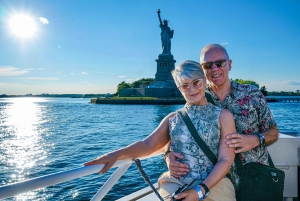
262,141
206,189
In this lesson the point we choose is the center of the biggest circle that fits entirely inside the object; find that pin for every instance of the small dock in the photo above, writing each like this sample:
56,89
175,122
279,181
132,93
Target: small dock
283,99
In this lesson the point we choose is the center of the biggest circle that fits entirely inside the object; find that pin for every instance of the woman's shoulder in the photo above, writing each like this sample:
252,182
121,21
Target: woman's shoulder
225,115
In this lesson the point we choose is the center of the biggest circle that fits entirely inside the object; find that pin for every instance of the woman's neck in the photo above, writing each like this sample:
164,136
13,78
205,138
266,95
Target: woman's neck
201,102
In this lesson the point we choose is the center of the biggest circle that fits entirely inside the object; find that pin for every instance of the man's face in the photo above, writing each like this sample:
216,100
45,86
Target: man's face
217,76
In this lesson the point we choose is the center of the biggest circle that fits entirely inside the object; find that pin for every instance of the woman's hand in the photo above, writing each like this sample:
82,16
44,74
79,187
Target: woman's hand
176,168
189,195
108,159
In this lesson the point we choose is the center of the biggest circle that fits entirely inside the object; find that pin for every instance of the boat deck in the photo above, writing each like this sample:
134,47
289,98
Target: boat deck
286,156
145,194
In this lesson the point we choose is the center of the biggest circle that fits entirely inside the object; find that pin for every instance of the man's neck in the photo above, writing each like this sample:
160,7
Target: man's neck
221,91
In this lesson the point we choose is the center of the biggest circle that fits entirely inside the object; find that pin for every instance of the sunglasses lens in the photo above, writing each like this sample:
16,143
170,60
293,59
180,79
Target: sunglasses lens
218,63
207,65
185,87
197,83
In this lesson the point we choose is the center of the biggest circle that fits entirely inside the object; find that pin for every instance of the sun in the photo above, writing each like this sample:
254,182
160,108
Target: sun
23,26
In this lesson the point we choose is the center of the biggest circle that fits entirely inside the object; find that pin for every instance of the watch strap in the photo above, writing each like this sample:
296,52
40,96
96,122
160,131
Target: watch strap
261,139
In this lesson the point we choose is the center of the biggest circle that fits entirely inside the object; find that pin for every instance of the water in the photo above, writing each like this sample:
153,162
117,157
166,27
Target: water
40,136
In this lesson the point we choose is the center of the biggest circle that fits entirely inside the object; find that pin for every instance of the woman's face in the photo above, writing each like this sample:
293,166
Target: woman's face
193,91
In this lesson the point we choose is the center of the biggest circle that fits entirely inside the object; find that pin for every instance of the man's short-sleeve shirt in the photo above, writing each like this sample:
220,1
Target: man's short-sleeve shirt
251,115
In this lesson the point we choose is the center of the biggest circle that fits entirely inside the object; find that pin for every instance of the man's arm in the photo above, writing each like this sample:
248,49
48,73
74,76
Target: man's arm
271,135
249,142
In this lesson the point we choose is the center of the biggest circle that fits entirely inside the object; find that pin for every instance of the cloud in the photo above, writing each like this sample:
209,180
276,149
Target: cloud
44,20
293,82
11,71
122,76
39,78
84,73
224,44
102,72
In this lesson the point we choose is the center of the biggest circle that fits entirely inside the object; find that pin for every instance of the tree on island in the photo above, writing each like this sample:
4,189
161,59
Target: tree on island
240,81
122,85
135,84
263,89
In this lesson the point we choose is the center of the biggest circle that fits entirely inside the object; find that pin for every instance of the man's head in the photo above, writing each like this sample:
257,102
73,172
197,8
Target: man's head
216,64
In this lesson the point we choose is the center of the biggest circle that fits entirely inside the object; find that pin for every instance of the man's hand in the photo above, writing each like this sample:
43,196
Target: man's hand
176,168
241,141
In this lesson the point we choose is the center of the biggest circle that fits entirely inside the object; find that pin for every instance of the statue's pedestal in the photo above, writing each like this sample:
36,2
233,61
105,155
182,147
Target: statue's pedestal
165,64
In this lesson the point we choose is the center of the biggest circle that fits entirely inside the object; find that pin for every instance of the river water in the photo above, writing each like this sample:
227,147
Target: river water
40,136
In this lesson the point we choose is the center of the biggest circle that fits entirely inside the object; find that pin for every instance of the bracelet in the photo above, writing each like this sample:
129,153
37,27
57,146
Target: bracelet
199,192
205,189
166,154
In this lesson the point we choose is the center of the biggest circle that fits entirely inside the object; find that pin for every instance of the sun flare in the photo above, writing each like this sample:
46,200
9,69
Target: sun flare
23,26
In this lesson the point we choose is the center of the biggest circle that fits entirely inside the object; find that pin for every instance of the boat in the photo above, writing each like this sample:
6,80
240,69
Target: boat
285,154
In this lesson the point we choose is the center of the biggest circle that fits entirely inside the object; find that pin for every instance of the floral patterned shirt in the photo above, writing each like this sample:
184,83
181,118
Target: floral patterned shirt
206,121
251,116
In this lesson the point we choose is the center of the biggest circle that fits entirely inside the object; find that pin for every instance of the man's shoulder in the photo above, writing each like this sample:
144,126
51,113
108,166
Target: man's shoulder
244,88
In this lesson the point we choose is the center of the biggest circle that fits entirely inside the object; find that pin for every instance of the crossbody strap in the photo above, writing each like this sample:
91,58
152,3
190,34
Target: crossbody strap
196,136
209,98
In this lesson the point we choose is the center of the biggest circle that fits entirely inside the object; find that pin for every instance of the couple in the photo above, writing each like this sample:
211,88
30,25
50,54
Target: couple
239,121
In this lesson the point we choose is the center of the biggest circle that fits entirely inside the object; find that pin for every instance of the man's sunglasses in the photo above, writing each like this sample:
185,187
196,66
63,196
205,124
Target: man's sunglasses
219,63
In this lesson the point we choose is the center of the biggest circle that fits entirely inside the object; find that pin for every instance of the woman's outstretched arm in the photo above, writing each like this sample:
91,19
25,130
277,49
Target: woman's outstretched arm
154,142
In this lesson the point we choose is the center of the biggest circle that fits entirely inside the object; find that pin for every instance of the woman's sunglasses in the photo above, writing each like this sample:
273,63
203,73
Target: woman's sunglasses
219,64
197,83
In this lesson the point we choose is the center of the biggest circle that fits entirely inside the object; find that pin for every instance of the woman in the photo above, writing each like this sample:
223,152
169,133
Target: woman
212,124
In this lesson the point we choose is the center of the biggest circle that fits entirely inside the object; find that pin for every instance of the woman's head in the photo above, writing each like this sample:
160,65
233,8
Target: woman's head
189,78
187,70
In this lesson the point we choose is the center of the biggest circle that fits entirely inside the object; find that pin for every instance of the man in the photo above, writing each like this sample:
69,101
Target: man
254,122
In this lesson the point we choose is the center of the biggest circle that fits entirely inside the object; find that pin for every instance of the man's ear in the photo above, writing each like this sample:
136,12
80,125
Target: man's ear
229,64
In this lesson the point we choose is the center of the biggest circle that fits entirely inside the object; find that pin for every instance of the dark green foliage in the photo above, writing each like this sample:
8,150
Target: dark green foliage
135,84
240,81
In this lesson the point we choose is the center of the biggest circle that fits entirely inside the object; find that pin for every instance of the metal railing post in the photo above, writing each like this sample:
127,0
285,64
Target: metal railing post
110,182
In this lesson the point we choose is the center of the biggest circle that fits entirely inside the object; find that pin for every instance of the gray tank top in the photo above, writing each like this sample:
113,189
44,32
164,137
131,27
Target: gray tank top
206,121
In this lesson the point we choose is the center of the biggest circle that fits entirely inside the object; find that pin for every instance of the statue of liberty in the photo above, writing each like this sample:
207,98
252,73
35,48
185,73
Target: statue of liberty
166,34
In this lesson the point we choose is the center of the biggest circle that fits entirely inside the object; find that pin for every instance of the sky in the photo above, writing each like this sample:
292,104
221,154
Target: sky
90,46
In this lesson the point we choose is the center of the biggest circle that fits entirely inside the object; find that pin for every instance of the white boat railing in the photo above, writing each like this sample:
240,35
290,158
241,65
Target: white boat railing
14,189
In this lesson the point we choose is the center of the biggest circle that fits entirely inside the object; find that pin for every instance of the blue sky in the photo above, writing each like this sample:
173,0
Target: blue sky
91,46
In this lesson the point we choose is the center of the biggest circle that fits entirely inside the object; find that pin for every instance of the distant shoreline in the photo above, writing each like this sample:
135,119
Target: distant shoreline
140,100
